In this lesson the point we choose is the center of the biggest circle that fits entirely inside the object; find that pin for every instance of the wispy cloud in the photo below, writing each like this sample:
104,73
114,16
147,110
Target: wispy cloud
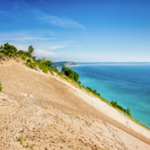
57,47
42,53
60,22
44,47
21,12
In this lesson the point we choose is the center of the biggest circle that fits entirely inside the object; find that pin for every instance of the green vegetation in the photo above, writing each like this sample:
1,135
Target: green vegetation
93,91
30,50
24,143
31,62
70,73
0,87
20,140
79,82
115,104
30,145
8,49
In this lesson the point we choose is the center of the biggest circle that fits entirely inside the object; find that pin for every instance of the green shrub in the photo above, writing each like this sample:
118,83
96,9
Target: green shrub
70,73
8,49
31,64
115,104
89,89
79,82
29,60
93,91
23,57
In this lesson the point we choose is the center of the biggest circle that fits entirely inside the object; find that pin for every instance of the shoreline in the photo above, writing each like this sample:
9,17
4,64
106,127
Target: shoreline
116,97
109,111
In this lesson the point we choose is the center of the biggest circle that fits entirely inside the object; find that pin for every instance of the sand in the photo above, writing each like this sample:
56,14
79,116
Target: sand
104,108
59,116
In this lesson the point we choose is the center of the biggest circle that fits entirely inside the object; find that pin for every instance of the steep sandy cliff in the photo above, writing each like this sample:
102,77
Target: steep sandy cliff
58,116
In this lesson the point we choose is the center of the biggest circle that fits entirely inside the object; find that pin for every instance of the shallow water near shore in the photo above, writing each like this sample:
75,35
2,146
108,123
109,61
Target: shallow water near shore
128,84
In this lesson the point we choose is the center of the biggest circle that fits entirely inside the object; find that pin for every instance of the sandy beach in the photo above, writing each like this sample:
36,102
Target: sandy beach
59,116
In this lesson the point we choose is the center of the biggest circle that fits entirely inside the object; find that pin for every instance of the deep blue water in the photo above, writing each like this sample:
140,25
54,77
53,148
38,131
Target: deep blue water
129,85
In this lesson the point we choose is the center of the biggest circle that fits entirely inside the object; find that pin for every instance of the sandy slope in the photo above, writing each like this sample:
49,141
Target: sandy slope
104,108
59,117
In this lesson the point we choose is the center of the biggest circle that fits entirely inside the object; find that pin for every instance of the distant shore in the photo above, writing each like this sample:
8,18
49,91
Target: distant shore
65,63
72,65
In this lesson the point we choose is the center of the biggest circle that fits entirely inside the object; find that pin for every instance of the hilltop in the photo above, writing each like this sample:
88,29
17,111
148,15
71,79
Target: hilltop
60,114
65,63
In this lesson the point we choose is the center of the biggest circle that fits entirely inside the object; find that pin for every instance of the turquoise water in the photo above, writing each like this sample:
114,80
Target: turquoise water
129,85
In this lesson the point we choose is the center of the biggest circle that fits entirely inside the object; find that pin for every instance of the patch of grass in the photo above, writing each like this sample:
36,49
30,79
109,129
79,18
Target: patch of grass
0,87
23,57
30,146
46,68
31,64
2,55
24,143
20,140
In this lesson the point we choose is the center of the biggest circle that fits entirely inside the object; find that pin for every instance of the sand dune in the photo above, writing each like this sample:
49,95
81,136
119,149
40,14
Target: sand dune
59,116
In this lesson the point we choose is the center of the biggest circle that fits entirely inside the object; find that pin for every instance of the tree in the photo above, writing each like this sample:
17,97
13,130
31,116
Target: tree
79,82
39,60
98,94
128,112
49,63
70,73
21,52
1,47
89,89
120,107
115,104
94,91
30,49
76,76
8,49
112,102
43,60
125,111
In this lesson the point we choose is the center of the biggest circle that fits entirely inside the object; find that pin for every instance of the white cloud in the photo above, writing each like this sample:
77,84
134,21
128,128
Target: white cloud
60,22
57,47
28,35
21,47
43,47
42,53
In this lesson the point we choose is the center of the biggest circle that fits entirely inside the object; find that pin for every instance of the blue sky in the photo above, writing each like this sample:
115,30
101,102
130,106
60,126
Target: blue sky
78,30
